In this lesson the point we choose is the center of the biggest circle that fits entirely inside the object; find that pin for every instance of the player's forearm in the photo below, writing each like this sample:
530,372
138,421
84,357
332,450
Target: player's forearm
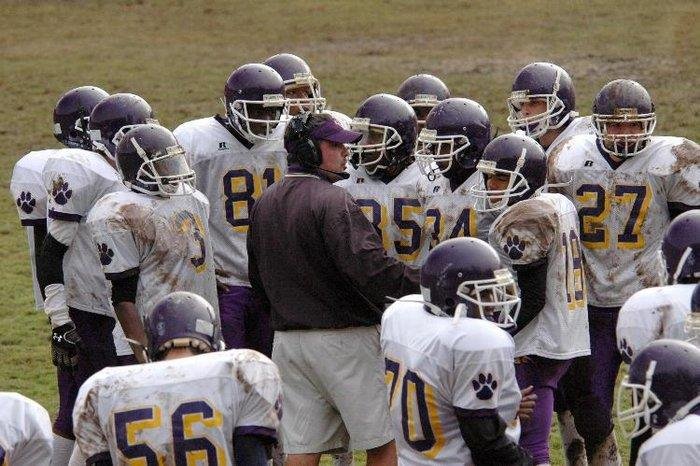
49,262
132,325
485,435
532,281
249,450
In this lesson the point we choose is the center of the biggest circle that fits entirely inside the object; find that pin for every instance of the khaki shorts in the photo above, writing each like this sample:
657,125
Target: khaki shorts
334,397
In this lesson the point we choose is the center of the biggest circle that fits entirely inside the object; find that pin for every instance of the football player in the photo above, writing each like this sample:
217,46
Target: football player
543,105
70,118
154,238
536,235
301,88
626,185
423,92
194,403
456,132
451,383
25,432
664,386
384,181
661,312
236,157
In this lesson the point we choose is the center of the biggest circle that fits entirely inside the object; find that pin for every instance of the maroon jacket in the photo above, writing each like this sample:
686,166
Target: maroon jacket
314,256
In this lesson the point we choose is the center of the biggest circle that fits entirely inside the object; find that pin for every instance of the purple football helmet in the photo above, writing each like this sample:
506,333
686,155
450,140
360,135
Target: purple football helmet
151,161
71,115
255,104
692,323
456,130
546,82
182,319
301,89
468,271
518,157
680,249
664,385
114,116
388,126
623,101
423,92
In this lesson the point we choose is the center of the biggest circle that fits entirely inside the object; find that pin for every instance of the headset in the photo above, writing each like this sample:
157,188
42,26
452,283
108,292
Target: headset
305,149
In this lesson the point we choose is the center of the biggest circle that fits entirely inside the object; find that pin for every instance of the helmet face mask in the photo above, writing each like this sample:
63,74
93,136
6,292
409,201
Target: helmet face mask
371,152
166,174
644,404
435,154
493,200
307,84
495,300
423,92
258,119
535,125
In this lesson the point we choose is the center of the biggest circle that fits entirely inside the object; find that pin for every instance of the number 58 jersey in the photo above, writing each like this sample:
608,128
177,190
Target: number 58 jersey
173,412
233,175
623,211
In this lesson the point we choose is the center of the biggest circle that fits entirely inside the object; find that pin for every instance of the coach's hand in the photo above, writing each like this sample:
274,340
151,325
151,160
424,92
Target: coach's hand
64,346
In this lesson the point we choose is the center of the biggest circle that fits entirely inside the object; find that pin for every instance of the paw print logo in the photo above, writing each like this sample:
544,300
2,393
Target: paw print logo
484,386
106,254
513,247
26,202
626,351
60,191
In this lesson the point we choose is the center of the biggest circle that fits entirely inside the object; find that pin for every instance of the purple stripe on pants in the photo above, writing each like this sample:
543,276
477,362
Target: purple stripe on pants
245,323
543,374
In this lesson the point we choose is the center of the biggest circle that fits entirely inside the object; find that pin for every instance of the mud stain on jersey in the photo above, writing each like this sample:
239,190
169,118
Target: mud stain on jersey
687,155
648,276
240,376
137,219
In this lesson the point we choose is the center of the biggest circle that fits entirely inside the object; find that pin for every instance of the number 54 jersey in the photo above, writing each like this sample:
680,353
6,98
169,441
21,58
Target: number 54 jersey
233,175
437,365
179,411
623,211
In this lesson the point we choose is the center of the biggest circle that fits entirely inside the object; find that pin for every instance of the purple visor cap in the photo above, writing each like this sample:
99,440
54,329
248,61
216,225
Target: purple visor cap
331,130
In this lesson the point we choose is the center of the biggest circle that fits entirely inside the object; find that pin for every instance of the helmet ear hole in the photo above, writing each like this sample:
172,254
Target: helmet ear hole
449,302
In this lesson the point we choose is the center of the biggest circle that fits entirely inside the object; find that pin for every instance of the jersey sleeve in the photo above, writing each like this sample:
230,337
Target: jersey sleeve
70,189
683,183
91,440
525,232
29,196
261,408
636,328
114,239
482,379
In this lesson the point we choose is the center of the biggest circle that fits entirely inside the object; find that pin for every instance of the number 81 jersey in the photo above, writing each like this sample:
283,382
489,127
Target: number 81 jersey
233,175
623,211
184,411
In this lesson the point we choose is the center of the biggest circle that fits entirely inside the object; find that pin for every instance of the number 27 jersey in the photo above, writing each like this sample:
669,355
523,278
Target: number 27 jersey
233,177
623,212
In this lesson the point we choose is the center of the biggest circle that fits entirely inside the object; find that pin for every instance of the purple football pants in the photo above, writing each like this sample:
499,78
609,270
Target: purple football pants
245,322
96,352
605,357
543,374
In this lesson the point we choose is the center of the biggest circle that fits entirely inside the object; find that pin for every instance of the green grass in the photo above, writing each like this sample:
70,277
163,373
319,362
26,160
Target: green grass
178,54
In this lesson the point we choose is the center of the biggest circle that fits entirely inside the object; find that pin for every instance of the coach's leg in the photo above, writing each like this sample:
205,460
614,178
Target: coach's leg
382,456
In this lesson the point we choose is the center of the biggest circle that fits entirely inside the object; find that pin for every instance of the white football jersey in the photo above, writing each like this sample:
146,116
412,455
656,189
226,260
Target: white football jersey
651,314
75,180
167,239
677,444
623,212
233,177
25,432
395,209
435,365
579,125
29,194
450,214
546,227
174,412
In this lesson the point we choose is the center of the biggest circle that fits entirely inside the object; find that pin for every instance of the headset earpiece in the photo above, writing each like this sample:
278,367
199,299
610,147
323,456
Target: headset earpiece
304,148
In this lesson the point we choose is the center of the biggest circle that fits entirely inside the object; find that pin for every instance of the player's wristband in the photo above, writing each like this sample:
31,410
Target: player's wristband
55,305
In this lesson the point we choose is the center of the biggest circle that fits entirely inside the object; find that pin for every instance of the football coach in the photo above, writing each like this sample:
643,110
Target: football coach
321,268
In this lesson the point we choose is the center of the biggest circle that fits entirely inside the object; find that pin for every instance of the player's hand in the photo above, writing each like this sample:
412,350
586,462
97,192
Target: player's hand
221,288
64,346
527,403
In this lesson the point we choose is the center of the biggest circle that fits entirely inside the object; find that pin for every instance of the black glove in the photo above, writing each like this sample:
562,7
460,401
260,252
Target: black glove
64,346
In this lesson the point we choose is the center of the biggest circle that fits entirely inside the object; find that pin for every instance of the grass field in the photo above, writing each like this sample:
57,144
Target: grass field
177,55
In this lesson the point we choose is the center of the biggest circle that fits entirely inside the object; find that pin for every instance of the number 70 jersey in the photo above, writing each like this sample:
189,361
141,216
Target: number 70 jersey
233,177
623,212
184,411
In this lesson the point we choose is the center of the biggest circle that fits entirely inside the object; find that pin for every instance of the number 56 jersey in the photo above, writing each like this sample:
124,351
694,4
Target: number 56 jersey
436,366
623,211
233,175
174,412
